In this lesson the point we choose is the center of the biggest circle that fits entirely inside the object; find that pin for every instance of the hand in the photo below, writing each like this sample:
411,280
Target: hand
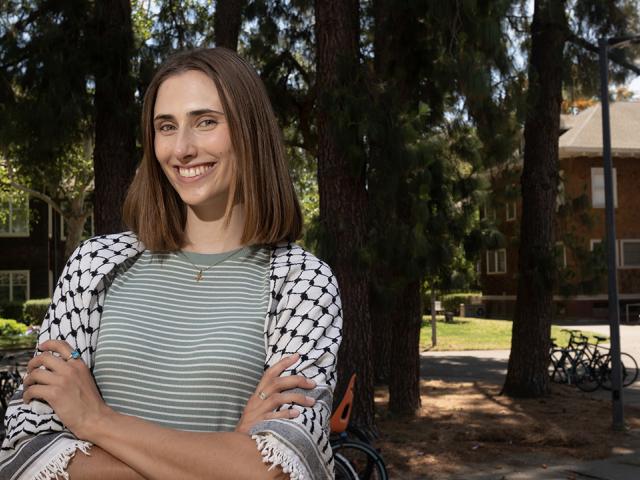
66,385
274,389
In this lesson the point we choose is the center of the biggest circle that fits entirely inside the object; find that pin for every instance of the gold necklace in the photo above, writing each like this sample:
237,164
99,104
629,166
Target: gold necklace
200,275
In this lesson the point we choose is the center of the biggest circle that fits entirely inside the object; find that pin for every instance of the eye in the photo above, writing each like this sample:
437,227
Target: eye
207,122
165,127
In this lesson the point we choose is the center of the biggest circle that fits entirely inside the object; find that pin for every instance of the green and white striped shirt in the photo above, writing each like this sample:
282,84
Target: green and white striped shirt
182,353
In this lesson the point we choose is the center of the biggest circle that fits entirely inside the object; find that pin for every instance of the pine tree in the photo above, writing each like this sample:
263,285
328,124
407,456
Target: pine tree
554,24
341,182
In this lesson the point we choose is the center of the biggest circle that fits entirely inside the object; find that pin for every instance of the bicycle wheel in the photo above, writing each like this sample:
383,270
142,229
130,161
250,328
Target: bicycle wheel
344,470
365,460
557,367
358,434
586,377
629,371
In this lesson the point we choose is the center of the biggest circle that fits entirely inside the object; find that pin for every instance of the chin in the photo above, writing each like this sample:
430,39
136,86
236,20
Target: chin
213,200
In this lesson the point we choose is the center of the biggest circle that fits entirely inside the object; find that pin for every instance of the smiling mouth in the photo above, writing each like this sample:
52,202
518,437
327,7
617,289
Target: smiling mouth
193,172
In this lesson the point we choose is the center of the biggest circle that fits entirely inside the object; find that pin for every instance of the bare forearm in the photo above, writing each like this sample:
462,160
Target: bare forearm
160,453
100,465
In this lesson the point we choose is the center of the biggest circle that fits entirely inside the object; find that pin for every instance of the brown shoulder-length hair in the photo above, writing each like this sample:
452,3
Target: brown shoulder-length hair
261,180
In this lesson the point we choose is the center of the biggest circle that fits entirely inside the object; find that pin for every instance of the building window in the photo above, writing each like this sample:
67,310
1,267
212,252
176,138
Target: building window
511,211
14,285
496,261
597,188
561,255
561,193
14,216
488,212
630,253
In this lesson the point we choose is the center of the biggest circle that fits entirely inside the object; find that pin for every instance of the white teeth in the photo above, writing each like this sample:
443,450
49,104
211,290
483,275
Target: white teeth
194,171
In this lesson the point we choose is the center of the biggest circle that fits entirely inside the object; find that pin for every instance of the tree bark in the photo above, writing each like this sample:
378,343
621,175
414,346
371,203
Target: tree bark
343,200
404,382
114,154
227,21
527,371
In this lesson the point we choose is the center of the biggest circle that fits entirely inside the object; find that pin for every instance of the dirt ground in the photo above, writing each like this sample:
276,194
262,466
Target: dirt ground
468,427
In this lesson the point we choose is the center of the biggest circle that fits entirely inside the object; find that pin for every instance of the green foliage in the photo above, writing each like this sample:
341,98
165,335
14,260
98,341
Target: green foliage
12,310
35,310
11,328
451,302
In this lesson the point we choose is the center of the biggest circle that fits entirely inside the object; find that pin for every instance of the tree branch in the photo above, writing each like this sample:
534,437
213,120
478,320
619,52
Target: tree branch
39,195
615,57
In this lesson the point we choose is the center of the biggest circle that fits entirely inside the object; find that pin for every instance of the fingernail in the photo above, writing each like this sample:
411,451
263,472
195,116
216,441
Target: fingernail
294,413
311,400
311,382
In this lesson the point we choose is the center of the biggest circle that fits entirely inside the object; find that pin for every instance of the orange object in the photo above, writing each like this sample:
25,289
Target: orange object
340,418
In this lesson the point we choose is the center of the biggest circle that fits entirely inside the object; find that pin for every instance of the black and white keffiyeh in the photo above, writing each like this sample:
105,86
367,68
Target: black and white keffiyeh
304,316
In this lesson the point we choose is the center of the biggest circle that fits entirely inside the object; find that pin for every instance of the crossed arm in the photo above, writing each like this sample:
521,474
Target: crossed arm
129,448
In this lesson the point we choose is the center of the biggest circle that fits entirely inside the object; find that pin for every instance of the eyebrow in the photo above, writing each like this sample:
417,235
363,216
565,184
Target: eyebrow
193,113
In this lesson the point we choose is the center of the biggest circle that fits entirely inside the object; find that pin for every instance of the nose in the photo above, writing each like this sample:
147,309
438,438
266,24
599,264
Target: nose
184,148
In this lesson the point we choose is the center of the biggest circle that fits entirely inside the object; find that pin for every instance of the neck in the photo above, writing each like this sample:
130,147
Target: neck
206,233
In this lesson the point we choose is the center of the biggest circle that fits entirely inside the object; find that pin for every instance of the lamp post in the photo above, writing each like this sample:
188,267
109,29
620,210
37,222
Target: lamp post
607,44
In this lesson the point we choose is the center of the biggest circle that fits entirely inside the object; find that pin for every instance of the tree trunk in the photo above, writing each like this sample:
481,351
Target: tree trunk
114,155
382,325
341,184
404,383
75,219
226,23
389,184
527,371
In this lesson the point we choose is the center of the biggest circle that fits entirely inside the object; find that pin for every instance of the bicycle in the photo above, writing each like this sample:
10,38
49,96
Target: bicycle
10,380
573,364
585,364
365,461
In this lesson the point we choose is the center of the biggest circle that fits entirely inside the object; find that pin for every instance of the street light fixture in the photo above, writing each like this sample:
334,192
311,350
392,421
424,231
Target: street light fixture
607,44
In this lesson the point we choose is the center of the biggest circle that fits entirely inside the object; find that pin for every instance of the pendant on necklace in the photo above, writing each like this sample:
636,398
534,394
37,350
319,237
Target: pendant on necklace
199,276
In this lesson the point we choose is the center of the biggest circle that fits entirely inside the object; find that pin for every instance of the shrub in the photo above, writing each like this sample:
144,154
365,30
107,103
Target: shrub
34,310
11,328
11,310
452,301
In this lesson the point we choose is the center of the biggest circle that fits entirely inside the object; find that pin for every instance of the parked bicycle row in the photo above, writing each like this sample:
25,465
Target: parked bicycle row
588,365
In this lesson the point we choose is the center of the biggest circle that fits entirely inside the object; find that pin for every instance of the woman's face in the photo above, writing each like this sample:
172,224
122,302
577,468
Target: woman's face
192,139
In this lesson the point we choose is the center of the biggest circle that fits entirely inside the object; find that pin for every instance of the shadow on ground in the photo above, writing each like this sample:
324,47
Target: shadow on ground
465,427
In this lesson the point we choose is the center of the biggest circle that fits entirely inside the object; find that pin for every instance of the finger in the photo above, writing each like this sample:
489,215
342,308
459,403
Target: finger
290,382
59,346
36,392
40,377
46,360
287,413
276,370
280,399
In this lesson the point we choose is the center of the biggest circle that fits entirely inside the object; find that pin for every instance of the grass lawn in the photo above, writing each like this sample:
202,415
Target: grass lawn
476,334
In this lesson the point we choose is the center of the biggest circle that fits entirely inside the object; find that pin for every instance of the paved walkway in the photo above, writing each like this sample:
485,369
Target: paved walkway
491,366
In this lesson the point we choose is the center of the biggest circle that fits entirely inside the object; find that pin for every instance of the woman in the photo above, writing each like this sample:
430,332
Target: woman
202,344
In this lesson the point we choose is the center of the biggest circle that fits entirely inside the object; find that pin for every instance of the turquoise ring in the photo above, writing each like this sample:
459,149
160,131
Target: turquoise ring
74,355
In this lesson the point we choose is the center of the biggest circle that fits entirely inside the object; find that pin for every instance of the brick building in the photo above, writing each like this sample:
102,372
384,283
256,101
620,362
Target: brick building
581,267
31,248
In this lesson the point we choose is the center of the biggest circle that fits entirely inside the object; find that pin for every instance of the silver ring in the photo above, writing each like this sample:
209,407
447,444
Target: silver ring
74,355
262,395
